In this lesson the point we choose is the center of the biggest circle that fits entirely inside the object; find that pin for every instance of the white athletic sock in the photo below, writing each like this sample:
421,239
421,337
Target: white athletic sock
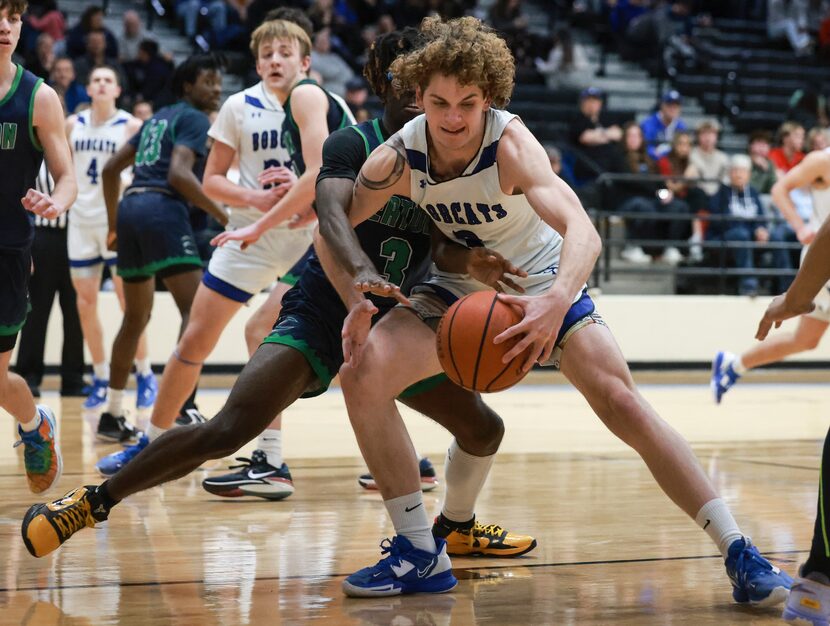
270,442
32,424
738,366
142,366
716,519
115,401
154,432
409,516
101,370
465,475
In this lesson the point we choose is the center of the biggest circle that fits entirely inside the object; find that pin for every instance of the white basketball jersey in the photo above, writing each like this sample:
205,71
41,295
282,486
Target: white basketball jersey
251,122
92,146
473,210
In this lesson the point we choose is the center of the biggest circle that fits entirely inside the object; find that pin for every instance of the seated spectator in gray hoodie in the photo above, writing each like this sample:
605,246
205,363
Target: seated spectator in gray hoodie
744,220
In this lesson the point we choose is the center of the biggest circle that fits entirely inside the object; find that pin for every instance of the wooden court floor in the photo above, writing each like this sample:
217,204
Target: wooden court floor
612,548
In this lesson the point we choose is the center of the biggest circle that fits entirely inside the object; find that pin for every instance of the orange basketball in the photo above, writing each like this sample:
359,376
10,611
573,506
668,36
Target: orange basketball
465,343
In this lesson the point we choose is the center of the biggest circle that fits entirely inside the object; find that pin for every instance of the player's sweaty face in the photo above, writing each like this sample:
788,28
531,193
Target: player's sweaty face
280,64
455,112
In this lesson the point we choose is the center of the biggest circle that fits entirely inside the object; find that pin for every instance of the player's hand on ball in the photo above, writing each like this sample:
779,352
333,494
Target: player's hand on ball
248,235
371,282
491,268
41,204
356,329
781,309
112,241
541,319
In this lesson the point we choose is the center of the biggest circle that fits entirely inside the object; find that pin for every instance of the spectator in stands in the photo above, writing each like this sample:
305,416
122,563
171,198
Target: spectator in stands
188,11
48,20
739,201
659,129
558,165
763,175
42,58
817,139
787,19
92,19
710,162
334,70
682,197
96,46
595,137
357,93
62,80
567,65
148,75
132,35
789,153
637,196
143,110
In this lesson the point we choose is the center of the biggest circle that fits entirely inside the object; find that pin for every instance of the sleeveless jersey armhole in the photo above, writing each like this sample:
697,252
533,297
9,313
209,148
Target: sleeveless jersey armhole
32,132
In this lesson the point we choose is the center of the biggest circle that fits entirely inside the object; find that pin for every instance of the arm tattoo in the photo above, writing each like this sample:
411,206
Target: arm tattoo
396,143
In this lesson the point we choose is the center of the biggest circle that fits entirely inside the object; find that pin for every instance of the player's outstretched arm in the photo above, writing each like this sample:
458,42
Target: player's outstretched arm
346,264
50,128
524,166
815,165
812,276
182,179
484,265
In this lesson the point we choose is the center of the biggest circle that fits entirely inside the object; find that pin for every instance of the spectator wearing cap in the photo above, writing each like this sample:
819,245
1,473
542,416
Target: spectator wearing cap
745,221
711,163
334,70
763,170
595,137
790,152
659,128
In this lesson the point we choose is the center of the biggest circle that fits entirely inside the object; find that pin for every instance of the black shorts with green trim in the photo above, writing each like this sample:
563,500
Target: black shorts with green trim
15,269
292,276
312,326
154,237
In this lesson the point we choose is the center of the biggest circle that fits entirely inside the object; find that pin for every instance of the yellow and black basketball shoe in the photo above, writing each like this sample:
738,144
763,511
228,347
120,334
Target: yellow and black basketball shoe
46,526
475,539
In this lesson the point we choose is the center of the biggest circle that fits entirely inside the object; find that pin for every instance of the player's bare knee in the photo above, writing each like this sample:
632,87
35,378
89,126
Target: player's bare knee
481,433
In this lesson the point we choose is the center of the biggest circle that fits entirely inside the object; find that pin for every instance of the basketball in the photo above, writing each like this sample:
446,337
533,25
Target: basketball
465,343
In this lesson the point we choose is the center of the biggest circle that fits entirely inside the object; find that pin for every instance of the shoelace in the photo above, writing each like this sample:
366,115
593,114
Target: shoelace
390,547
489,529
257,458
72,519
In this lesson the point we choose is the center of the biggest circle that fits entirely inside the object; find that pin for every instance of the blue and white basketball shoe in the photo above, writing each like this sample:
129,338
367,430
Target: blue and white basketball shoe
754,579
723,375
112,463
809,601
146,391
405,570
97,394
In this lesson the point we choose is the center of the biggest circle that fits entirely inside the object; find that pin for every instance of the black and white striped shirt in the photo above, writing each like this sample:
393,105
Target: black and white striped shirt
45,184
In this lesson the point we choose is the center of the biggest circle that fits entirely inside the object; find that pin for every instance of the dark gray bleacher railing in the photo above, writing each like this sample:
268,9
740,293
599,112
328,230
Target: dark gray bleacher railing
602,222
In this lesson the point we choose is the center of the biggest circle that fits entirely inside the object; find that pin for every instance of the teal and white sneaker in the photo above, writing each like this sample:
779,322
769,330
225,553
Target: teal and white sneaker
809,601
405,570
755,580
41,452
